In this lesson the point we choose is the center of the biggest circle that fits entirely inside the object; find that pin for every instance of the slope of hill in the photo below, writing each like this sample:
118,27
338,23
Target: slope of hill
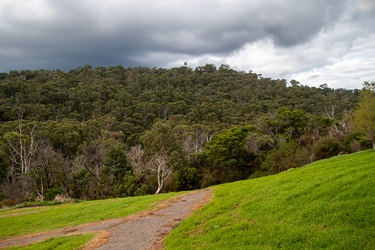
328,204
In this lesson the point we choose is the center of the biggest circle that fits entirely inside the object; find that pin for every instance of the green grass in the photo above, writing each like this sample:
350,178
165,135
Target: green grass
17,222
58,243
329,204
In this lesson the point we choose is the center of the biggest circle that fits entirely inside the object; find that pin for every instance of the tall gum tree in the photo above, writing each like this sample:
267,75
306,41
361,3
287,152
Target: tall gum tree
364,114
163,151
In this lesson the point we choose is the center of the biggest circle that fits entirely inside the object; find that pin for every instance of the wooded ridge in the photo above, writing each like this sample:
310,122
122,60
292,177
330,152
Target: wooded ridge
101,132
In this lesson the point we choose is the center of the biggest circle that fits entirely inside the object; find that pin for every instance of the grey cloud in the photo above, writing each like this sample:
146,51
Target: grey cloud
73,33
364,9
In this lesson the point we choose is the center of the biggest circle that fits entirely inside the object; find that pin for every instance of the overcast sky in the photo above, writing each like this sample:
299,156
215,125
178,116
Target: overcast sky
311,41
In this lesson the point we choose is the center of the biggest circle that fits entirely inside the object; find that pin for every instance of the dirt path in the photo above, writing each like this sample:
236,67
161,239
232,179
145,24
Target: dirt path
145,230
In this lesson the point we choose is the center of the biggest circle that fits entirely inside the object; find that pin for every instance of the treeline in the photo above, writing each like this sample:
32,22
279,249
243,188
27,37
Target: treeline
101,132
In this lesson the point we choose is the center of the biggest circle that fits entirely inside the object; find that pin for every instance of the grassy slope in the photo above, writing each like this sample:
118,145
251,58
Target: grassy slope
328,204
33,220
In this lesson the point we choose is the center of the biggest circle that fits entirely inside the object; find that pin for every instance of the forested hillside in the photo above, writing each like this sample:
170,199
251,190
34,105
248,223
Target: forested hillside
100,132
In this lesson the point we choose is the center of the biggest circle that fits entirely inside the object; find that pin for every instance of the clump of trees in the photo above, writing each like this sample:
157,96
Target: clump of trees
93,133
364,114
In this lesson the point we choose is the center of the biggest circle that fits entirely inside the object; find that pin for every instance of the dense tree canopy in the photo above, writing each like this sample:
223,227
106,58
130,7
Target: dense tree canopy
226,155
101,132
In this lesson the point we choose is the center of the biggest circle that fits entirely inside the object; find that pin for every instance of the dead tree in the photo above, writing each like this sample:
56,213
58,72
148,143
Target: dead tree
163,171
22,148
136,159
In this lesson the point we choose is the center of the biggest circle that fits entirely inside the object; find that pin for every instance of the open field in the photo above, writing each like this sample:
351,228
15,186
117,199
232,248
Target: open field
18,222
137,231
328,204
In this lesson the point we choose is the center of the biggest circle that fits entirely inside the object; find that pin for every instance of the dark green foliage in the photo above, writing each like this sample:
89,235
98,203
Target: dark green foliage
51,193
142,190
88,119
66,135
326,147
139,95
126,187
287,155
227,157
293,123
4,166
117,161
161,139
189,178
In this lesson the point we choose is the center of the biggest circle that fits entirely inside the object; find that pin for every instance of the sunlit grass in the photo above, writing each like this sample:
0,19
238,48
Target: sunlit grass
328,204
18,222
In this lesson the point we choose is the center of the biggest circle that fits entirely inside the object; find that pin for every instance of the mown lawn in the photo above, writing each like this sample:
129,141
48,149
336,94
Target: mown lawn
17,222
329,204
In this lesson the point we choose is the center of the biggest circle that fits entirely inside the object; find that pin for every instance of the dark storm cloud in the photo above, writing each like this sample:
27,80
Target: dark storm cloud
67,34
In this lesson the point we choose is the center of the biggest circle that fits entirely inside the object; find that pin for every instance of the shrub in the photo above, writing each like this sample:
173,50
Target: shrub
355,142
287,155
142,190
257,174
51,193
326,147
189,178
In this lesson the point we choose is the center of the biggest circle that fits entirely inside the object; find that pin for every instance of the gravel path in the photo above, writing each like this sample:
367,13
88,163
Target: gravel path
145,230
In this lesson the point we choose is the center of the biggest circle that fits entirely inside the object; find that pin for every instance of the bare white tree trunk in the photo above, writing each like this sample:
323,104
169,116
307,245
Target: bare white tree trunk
163,171
196,141
23,149
135,156
41,190
158,163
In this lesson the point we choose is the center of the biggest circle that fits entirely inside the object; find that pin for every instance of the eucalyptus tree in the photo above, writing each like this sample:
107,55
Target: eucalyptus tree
364,114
